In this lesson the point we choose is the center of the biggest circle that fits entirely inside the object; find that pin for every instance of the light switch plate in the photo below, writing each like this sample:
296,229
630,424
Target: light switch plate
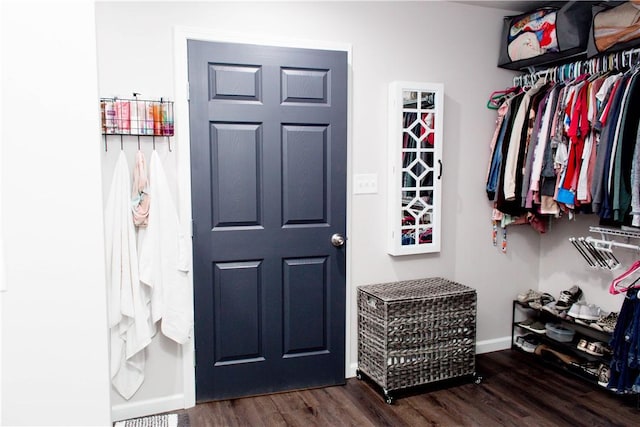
365,183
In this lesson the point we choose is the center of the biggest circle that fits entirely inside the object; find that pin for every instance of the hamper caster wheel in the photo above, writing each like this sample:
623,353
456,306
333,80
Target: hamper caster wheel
478,379
358,374
387,397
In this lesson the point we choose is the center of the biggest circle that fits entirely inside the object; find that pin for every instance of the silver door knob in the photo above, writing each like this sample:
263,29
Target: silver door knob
337,240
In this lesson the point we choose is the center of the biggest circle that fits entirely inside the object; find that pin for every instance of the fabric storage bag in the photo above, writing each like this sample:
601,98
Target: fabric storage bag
614,28
544,35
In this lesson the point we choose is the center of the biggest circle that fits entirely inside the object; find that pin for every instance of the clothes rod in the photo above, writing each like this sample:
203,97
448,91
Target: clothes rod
571,70
608,244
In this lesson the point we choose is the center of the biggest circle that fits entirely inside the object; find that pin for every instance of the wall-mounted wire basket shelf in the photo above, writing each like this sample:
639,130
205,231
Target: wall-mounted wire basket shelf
136,117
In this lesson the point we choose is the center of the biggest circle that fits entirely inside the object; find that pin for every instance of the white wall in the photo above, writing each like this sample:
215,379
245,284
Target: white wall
54,331
422,41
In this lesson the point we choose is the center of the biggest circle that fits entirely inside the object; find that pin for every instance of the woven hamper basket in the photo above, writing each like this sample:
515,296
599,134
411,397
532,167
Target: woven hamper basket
416,332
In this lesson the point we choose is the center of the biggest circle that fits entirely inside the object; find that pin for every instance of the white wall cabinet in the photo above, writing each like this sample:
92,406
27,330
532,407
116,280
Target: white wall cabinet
415,167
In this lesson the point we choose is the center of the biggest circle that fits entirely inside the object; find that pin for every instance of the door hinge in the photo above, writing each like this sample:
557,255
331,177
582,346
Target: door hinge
193,228
188,93
194,357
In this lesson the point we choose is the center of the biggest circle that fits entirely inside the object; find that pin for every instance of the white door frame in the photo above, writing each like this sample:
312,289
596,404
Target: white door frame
182,148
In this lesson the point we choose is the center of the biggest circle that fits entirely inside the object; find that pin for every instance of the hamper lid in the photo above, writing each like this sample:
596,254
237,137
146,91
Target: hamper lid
412,289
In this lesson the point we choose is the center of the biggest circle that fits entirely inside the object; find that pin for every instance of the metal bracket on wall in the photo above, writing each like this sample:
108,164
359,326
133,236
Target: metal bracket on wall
599,252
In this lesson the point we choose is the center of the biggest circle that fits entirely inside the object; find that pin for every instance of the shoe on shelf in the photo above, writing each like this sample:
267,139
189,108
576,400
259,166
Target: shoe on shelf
546,351
526,323
551,308
582,345
529,343
606,323
529,295
590,312
603,375
569,297
544,299
519,341
575,309
591,368
596,348
536,326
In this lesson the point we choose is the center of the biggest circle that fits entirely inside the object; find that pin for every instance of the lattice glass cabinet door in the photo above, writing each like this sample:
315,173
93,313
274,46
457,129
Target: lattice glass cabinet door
415,156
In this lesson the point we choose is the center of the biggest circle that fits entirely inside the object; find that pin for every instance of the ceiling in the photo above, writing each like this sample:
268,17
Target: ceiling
513,5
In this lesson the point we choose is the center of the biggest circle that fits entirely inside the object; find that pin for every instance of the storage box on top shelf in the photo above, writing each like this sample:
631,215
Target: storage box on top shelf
545,36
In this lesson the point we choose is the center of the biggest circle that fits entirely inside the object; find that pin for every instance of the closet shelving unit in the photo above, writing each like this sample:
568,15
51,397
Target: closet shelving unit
609,239
523,311
136,117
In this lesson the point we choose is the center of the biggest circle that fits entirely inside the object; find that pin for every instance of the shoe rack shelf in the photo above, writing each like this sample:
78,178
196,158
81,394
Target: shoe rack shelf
522,311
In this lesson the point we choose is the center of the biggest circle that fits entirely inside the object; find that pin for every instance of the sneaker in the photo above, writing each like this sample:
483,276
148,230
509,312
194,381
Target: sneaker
606,323
529,295
575,309
530,343
590,312
526,323
603,375
596,348
591,368
551,308
582,345
521,339
537,327
540,302
569,297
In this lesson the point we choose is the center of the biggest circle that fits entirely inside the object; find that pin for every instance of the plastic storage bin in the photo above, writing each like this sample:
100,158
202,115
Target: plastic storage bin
558,333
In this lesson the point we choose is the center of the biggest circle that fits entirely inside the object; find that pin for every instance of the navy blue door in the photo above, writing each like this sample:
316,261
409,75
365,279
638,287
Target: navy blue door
268,161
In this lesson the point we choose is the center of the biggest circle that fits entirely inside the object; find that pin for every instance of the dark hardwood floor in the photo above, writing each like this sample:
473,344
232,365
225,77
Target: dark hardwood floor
516,391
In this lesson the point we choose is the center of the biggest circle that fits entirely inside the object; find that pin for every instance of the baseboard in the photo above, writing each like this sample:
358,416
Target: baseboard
486,346
352,370
129,410
496,344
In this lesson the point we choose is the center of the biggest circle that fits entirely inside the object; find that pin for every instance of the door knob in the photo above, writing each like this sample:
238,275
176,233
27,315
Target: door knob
337,240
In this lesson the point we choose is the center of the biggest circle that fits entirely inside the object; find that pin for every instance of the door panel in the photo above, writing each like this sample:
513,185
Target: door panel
237,297
236,164
268,161
305,306
304,174
300,85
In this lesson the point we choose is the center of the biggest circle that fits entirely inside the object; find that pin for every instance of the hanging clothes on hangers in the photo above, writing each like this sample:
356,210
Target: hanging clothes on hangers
567,144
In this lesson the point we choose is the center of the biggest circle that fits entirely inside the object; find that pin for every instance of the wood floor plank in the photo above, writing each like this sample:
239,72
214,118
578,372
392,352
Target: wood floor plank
258,411
517,391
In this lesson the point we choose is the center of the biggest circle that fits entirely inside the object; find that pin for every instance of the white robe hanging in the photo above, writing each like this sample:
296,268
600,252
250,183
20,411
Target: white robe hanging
163,259
129,317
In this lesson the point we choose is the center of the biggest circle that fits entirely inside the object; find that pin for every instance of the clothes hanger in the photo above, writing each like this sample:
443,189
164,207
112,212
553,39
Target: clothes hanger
627,280
497,97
